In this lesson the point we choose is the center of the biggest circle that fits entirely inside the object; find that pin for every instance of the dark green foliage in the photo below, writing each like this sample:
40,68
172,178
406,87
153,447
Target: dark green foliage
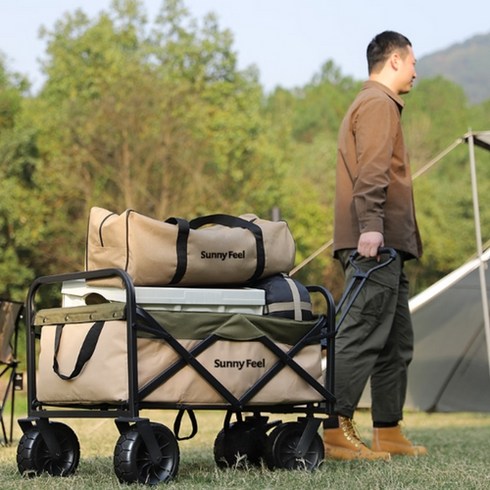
157,117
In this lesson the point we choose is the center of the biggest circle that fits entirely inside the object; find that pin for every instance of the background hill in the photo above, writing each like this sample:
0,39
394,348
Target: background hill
466,63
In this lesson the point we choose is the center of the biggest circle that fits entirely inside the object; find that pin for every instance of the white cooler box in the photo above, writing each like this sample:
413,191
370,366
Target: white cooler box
246,300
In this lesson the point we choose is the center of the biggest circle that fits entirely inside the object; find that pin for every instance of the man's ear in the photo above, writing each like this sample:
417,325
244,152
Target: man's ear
395,60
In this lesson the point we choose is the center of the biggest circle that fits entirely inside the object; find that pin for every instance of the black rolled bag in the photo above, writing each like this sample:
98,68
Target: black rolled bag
285,297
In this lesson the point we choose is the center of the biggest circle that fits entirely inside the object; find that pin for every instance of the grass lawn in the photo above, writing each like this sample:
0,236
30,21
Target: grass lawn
458,459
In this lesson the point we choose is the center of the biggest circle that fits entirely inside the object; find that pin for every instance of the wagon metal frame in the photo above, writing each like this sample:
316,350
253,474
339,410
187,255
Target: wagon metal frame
53,446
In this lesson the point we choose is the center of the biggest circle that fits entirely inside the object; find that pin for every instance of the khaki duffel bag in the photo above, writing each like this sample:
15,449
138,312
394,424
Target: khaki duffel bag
210,250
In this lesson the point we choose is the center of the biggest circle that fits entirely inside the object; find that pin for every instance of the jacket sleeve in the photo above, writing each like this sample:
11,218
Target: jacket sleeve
375,132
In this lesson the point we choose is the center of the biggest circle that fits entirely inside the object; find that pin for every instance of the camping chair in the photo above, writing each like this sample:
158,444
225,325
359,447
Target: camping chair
10,315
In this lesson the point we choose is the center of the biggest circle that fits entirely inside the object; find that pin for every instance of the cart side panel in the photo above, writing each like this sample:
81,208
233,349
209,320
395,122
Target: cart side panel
238,366
104,378
235,364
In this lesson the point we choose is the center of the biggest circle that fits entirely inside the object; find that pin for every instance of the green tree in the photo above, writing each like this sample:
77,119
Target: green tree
159,120
157,117
313,114
19,196
437,114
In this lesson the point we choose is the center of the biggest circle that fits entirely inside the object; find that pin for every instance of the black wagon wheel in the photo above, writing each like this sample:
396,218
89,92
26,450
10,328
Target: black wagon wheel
34,456
240,444
132,460
281,445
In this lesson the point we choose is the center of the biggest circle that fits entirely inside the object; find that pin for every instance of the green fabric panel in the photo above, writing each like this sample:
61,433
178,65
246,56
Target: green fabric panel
187,325
196,325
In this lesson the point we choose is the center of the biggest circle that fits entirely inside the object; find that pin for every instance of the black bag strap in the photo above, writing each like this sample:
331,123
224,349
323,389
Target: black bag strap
182,237
236,222
178,422
86,351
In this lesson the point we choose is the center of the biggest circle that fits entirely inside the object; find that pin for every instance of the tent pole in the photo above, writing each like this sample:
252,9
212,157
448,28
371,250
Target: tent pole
476,213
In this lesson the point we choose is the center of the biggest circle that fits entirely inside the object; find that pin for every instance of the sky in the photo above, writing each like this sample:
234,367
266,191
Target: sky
288,40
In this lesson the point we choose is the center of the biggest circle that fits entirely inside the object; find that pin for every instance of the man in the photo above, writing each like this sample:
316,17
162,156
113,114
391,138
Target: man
374,208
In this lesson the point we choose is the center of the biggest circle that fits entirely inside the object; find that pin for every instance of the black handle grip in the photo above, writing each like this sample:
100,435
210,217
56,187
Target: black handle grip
391,252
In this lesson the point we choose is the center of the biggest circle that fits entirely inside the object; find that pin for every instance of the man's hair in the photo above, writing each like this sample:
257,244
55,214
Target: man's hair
382,46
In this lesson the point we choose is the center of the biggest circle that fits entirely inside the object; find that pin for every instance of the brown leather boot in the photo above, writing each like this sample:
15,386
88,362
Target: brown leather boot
392,440
344,443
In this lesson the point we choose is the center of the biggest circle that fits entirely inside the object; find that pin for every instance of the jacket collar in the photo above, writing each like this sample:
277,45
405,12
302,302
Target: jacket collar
379,86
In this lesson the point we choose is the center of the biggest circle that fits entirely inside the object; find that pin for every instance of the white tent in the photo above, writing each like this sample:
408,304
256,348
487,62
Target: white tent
451,366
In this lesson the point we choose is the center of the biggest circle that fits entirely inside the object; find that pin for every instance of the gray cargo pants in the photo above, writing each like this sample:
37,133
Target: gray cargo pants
375,340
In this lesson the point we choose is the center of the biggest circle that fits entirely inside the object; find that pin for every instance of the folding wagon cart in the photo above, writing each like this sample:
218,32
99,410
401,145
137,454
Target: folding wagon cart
114,359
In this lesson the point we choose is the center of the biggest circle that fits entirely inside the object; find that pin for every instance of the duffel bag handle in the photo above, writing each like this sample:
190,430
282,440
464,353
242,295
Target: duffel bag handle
225,220
237,222
215,219
86,351
181,245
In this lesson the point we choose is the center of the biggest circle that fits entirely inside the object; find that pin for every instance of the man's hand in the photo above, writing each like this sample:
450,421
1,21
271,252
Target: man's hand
369,243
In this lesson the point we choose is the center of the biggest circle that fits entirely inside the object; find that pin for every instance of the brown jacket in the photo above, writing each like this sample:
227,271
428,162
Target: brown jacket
374,183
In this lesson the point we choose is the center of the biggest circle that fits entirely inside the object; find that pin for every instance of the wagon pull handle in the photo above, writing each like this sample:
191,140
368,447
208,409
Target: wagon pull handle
391,252
360,277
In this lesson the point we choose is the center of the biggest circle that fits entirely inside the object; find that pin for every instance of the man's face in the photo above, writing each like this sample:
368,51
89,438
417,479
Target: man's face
406,72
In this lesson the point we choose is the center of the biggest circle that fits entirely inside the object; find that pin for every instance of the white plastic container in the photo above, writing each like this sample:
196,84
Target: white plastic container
245,300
